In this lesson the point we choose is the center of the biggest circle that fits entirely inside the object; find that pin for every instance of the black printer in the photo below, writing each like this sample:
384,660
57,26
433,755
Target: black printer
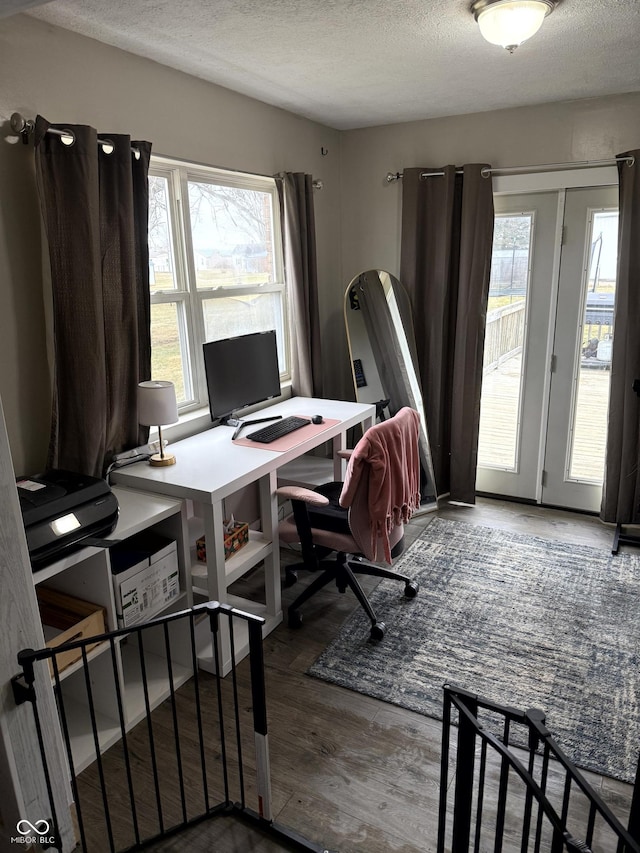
62,510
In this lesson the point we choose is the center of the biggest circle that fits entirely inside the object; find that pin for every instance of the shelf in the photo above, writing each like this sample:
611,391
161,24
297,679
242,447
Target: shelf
141,510
257,548
100,649
157,681
82,742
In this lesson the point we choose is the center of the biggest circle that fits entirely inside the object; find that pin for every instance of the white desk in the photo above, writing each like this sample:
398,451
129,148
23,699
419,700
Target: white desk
209,468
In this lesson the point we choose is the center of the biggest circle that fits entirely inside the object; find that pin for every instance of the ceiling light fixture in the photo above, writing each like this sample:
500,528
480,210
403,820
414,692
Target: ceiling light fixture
510,22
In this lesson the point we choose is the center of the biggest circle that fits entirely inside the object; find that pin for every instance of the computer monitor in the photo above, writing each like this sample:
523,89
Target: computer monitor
241,371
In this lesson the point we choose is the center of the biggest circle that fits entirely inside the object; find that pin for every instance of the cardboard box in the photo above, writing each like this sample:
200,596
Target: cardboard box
145,576
66,619
235,539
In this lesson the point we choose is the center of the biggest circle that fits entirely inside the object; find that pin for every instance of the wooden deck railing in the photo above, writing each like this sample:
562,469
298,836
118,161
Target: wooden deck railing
504,334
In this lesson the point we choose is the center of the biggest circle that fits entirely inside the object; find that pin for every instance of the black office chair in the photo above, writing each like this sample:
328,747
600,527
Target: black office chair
362,519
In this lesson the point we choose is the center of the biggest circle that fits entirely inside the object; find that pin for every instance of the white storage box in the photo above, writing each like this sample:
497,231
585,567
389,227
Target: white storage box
145,577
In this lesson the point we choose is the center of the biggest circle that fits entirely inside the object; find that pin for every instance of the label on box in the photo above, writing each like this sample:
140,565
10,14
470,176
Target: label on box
147,592
145,577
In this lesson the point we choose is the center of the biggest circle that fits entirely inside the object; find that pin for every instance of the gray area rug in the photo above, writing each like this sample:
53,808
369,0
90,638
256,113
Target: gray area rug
520,620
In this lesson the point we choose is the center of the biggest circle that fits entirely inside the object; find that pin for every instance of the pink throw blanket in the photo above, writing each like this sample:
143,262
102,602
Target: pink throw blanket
388,454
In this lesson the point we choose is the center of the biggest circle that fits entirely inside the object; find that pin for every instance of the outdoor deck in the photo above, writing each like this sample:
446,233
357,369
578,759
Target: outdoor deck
500,411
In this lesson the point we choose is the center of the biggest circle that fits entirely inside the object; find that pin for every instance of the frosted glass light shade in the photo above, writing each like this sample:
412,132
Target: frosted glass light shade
157,403
510,22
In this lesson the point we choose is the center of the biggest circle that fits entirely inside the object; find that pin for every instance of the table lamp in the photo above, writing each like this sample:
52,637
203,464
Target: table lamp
157,406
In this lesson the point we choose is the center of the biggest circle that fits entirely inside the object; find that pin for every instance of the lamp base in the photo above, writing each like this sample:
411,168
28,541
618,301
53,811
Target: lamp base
162,461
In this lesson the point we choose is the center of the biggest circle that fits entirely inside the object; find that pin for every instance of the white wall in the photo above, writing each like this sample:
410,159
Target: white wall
68,78
590,129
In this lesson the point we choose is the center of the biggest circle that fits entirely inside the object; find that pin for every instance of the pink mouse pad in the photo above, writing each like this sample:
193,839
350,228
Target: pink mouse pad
286,442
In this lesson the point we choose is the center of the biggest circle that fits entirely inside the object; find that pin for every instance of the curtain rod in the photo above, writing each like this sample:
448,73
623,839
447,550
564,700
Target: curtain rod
549,167
25,127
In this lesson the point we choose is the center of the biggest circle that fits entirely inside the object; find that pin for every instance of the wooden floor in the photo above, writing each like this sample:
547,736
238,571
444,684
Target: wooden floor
350,772
500,414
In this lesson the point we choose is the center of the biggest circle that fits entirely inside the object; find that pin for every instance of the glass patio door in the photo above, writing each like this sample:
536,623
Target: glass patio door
579,396
548,347
516,344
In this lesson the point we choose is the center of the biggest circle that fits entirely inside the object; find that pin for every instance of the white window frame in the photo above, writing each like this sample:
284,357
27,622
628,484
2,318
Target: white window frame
178,174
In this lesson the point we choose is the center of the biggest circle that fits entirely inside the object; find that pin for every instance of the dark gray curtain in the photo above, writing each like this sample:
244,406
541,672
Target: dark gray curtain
621,494
299,236
447,233
95,210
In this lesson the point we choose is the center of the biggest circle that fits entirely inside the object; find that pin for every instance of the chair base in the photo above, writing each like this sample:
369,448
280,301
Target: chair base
343,572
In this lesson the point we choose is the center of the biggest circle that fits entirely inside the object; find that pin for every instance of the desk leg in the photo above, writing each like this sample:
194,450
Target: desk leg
339,464
269,518
214,533
216,583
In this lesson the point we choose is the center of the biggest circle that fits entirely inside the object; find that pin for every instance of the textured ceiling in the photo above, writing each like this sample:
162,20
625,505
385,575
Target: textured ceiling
358,63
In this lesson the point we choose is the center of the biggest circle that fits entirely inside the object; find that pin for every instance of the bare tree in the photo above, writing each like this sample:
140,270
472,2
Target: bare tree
242,209
512,232
158,215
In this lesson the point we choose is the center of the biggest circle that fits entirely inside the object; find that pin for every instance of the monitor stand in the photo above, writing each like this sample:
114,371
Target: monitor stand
239,424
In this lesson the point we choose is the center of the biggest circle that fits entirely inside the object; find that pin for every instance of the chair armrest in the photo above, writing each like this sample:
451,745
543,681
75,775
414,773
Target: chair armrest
298,493
344,454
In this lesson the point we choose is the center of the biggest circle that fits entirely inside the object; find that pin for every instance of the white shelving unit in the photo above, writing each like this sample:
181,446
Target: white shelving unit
86,574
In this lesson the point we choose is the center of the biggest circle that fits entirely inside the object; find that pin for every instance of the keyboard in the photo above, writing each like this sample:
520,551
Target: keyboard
276,430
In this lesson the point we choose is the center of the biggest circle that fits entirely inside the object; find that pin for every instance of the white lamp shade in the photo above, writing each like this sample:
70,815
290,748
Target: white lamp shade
510,23
157,404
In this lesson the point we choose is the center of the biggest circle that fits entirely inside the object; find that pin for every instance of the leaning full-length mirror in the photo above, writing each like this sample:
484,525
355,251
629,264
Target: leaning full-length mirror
383,355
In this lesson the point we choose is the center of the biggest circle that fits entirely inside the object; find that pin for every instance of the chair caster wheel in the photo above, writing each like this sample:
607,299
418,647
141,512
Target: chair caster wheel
377,631
294,619
290,577
411,589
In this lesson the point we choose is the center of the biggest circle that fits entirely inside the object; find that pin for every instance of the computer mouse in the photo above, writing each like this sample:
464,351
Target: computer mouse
317,419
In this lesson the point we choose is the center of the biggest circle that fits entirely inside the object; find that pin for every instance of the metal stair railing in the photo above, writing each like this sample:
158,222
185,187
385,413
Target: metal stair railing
185,760
543,802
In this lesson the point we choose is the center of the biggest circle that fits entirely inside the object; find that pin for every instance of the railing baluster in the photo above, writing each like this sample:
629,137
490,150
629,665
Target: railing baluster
480,802
62,712
634,815
236,707
125,746
196,693
30,677
152,744
258,696
214,623
528,800
96,743
444,770
502,792
464,782
543,786
174,713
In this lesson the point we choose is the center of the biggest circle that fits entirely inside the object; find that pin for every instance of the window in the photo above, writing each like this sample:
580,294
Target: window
215,267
